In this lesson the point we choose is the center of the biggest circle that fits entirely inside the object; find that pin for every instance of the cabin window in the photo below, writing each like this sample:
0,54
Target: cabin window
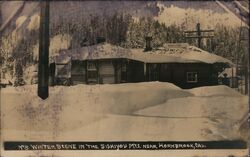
192,77
78,68
92,72
124,68
92,66
62,70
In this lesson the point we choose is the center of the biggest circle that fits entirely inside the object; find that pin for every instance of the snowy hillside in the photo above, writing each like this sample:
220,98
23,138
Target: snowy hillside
209,13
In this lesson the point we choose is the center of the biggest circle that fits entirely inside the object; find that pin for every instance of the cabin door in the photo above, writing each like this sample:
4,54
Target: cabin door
107,72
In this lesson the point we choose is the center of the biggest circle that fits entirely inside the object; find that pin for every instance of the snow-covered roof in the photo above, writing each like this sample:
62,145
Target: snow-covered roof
170,53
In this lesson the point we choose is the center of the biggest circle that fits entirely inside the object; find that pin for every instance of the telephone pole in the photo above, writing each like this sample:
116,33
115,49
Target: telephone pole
43,65
199,34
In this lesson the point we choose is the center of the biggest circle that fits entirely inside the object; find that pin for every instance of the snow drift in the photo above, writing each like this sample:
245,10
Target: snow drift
144,111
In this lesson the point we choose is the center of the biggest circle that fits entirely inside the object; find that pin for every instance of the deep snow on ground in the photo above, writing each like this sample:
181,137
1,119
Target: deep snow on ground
146,109
132,111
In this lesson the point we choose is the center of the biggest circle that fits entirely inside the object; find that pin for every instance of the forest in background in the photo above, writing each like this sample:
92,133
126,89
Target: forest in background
118,29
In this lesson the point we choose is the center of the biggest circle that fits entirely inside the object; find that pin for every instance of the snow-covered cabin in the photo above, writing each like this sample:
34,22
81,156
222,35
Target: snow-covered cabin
184,65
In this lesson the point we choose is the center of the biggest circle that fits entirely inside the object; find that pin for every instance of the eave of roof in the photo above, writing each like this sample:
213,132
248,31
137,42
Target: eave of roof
108,51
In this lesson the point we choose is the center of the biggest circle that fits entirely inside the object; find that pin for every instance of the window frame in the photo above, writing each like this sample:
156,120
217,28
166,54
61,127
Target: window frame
66,67
195,77
91,66
92,72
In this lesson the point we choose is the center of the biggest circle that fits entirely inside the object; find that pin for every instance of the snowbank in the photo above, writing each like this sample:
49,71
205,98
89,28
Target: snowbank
133,111
214,91
223,108
85,101
233,108
127,98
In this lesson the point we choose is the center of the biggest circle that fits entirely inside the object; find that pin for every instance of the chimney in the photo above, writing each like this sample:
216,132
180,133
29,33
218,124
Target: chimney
148,40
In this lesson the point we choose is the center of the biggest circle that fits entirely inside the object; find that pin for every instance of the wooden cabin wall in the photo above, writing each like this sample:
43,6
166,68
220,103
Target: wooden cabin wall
78,72
120,70
177,73
135,71
118,73
214,76
153,72
180,71
52,68
125,70
165,74
83,72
